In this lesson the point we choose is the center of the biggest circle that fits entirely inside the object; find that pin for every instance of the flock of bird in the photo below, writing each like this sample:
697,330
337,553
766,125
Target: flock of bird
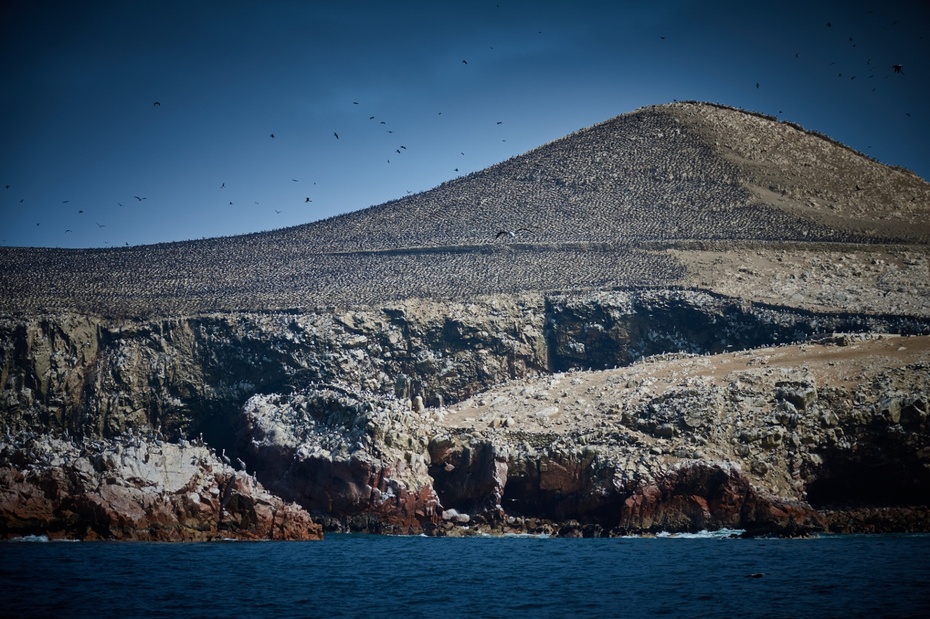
399,149
586,211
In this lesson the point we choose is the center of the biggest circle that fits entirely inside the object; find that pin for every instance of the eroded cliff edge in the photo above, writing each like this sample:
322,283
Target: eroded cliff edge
361,417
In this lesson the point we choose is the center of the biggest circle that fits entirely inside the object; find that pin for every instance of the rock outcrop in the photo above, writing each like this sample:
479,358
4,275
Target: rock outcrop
135,488
355,461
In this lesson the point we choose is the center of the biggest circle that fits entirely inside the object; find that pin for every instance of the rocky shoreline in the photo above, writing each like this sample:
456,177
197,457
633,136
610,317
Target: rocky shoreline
431,418
826,436
136,488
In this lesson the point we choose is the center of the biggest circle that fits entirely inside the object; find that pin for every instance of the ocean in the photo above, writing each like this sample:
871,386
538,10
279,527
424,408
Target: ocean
702,575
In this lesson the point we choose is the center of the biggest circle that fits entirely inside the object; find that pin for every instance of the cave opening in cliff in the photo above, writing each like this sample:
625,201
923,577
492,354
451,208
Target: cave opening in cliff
873,481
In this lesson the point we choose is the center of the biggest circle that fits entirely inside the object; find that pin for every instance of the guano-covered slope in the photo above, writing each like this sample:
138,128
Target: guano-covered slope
592,210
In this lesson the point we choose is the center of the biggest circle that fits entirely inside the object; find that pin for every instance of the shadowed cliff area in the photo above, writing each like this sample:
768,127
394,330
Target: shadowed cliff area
596,209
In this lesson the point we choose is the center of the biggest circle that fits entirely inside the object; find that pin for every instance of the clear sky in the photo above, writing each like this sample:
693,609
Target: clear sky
176,102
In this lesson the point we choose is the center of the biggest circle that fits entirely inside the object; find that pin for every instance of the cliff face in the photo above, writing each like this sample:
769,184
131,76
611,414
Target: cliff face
346,413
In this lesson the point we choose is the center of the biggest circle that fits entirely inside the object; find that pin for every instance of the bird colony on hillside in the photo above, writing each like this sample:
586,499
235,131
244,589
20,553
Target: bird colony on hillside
592,210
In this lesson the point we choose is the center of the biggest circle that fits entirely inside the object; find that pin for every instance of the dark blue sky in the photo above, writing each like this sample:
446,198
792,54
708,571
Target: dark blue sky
81,131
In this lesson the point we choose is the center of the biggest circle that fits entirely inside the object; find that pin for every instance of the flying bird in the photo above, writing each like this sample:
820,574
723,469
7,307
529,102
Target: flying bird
157,104
277,211
139,199
336,134
223,185
897,68
272,135
100,225
307,200
464,62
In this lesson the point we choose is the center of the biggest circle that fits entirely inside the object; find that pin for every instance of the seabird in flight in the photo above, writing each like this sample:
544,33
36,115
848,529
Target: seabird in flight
139,199
336,134
511,233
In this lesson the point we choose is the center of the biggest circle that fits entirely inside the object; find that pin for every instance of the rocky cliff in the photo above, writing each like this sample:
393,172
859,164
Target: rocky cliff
657,354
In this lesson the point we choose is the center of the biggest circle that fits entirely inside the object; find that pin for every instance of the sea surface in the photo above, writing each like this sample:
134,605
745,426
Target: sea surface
372,576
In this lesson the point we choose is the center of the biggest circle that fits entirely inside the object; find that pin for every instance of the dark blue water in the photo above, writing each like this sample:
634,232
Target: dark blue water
371,577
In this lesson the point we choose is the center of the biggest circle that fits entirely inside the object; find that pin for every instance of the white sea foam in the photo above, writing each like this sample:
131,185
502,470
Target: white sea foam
30,538
718,534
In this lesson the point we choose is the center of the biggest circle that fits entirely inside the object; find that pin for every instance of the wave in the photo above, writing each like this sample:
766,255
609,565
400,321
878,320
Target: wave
718,534
30,538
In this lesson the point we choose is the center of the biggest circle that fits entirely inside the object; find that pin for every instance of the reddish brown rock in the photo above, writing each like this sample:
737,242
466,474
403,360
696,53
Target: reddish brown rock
131,490
354,461
710,496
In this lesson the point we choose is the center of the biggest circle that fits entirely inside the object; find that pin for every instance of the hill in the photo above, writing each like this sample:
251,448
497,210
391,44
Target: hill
599,208
686,317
